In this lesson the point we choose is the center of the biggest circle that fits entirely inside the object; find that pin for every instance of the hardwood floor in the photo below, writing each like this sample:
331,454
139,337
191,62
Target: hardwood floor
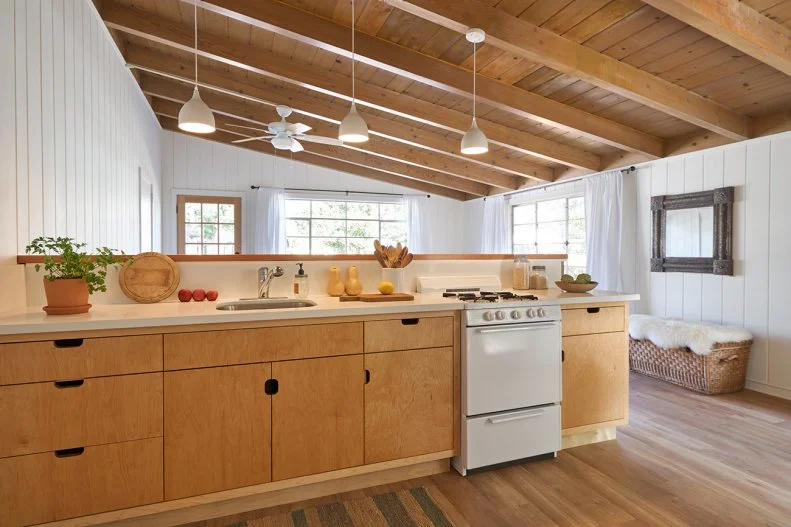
685,459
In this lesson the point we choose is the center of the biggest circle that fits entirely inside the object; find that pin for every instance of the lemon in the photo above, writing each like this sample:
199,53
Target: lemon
386,288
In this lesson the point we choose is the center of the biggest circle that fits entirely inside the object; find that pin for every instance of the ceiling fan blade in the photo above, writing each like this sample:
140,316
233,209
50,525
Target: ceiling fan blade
321,139
298,128
259,138
249,127
296,146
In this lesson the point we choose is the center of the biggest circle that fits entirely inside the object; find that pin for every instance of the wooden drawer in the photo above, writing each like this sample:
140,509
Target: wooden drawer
79,358
590,320
408,333
244,346
50,416
47,487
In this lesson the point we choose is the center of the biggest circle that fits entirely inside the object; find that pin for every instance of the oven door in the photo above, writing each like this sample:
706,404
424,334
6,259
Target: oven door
511,366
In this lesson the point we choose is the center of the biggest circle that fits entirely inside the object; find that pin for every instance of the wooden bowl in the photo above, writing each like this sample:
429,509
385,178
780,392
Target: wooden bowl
570,287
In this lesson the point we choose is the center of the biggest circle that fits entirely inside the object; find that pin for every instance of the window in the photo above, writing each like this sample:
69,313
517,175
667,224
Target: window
209,225
552,227
342,227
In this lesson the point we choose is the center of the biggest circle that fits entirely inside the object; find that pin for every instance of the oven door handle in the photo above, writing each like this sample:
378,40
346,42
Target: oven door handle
517,416
530,327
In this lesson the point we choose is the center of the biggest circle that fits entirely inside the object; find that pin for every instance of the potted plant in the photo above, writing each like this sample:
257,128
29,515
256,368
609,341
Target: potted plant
72,273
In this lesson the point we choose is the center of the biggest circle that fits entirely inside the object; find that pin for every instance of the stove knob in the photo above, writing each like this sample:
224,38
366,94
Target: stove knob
541,312
500,315
516,315
531,313
488,316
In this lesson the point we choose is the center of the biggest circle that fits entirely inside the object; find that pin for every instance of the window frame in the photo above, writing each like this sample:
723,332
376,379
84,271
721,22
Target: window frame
183,199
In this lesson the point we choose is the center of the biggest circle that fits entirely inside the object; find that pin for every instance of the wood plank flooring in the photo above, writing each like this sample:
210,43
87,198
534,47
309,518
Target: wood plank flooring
685,459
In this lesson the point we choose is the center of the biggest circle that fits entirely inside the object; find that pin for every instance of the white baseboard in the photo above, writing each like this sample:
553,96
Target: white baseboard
777,391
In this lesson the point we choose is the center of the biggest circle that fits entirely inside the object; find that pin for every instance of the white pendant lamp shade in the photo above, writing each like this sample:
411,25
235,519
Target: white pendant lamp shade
353,128
195,116
474,141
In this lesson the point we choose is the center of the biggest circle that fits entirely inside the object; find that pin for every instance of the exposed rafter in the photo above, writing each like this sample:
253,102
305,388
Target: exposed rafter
540,45
736,24
305,27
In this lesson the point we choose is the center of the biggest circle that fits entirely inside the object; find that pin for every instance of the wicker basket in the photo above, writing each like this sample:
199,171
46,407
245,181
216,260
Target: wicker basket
722,371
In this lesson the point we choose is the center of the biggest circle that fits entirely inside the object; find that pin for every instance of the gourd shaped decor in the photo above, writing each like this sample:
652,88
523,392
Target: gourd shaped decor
353,285
335,286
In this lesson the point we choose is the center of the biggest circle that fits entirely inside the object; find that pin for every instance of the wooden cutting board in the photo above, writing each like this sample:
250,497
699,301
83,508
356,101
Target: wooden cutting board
377,297
149,278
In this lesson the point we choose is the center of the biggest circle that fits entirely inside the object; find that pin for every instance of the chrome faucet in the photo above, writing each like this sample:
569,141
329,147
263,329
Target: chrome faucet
265,277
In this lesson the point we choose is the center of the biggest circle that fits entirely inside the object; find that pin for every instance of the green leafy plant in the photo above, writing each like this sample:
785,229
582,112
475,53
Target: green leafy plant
74,261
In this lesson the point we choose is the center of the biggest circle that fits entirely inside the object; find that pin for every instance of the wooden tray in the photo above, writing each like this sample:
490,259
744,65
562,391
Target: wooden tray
377,297
149,278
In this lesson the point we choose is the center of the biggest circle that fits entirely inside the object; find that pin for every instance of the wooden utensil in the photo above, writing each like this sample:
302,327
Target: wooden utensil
378,297
149,277
407,260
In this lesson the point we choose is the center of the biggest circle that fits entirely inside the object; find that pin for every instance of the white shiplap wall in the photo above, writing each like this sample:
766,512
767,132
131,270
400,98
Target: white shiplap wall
192,164
757,296
74,130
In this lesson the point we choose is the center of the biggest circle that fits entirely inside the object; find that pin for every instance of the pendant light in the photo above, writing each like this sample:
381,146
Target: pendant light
474,141
353,128
195,116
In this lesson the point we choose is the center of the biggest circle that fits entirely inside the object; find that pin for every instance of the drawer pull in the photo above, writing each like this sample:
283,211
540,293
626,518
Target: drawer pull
70,452
594,310
68,343
516,417
69,384
271,386
410,321
367,376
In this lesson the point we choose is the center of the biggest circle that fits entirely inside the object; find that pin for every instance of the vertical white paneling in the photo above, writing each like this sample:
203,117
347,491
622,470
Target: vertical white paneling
674,288
779,315
59,91
756,259
643,233
692,282
658,281
629,233
51,177
70,109
734,174
34,132
711,286
21,123
8,225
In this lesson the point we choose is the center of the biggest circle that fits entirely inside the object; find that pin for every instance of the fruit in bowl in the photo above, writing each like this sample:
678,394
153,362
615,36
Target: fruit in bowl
581,284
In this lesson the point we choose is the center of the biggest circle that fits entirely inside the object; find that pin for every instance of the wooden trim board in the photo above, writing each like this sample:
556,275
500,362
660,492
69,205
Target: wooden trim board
27,259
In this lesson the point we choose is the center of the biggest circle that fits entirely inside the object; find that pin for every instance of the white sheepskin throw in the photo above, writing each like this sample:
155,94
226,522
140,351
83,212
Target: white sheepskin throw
667,333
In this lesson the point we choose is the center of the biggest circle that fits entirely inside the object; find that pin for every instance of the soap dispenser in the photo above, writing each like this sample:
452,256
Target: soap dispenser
301,288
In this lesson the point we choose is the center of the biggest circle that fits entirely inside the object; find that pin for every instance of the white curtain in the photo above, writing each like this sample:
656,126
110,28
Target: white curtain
419,223
270,222
603,228
496,228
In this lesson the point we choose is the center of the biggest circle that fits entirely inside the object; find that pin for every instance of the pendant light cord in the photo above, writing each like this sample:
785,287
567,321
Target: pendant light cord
195,16
474,74
353,94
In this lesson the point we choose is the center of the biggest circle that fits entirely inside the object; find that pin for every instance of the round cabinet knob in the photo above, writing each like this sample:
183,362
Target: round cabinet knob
488,316
500,315
516,315
531,313
542,312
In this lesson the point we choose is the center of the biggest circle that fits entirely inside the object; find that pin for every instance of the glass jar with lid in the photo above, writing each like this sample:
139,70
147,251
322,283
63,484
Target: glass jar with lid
538,277
521,272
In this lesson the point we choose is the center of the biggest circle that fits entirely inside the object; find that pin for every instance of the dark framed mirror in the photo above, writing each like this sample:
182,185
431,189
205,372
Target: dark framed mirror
692,233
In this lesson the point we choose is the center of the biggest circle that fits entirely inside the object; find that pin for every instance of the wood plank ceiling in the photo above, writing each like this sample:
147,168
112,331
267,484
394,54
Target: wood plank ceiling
565,87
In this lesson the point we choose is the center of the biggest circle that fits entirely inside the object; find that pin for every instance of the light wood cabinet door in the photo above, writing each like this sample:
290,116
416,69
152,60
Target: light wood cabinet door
408,403
595,379
317,416
217,429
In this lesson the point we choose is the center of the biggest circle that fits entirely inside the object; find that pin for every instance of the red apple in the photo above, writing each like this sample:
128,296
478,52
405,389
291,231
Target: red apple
185,295
199,295
211,295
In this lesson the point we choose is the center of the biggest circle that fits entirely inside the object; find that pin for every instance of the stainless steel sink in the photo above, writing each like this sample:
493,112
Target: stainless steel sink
264,303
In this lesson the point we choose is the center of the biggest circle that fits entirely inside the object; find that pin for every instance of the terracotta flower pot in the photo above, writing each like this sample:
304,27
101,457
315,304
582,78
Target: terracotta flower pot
66,296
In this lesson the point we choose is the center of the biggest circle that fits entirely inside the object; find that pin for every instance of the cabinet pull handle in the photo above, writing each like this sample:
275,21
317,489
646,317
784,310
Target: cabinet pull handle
68,343
410,321
271,386
69,384
70,452
562,355
367,376
594,310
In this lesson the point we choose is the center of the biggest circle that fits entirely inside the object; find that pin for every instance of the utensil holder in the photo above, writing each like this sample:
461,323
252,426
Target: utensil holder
396,277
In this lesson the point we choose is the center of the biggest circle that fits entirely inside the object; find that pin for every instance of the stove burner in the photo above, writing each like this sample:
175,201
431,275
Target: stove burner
488,296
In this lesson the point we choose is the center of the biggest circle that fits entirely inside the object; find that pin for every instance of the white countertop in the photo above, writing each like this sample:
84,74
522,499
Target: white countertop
125,316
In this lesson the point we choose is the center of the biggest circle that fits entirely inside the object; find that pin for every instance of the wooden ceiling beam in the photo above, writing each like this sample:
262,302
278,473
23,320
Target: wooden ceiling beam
234,107
735,24
170,123
169,106
333,112
534,43
305,27
267,63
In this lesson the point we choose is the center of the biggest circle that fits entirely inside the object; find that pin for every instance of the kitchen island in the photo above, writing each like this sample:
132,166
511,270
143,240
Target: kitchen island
168,413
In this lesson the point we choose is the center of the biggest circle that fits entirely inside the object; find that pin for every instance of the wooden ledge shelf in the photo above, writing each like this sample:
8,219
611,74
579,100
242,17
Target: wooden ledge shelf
27,259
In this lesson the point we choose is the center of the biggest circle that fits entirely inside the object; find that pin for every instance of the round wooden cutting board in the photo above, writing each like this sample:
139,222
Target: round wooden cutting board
149,278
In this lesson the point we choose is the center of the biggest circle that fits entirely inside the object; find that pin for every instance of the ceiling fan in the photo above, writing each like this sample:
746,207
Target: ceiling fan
284,135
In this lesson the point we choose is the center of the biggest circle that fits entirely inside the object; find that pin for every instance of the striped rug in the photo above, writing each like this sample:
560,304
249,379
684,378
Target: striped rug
406,508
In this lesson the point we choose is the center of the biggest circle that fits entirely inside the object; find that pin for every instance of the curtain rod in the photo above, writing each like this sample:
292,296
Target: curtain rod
347,192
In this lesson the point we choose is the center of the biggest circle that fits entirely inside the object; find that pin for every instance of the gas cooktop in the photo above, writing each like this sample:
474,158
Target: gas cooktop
488,296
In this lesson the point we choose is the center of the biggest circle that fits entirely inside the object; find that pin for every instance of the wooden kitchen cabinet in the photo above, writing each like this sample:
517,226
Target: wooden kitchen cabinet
217,429
408,403
595,379
317,416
